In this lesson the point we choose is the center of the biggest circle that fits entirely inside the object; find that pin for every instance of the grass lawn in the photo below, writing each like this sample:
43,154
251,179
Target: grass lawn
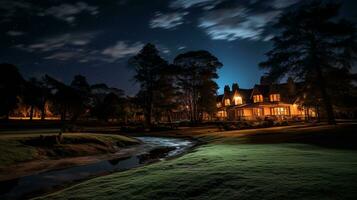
25,147
239,167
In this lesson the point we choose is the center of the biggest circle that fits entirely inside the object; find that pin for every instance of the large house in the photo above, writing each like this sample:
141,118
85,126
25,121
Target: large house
263,101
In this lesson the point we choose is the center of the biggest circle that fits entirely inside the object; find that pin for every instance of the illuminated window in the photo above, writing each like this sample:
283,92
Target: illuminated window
227,102
257,111
221,114
219,104
258,98
239,113
279,111
237,100
275,97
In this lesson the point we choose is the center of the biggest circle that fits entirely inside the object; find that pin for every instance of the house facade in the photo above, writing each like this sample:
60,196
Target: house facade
264,101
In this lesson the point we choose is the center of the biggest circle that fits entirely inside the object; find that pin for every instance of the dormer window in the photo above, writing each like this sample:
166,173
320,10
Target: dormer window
237,100
275,97
227,102
257,98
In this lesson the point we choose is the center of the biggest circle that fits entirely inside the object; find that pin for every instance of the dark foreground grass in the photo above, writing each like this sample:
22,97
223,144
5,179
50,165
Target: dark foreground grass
21,148
232,170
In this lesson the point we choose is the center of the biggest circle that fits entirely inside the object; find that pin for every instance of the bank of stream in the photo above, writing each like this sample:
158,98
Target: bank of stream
153,149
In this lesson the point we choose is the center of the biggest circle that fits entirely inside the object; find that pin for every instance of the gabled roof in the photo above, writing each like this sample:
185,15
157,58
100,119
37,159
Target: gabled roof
260,89
244,93
286,95
220,98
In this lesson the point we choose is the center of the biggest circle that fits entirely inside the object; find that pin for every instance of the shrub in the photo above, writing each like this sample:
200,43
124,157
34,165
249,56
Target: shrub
268,123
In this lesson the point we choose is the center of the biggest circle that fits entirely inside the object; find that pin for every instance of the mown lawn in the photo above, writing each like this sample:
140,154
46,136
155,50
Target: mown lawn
232,169
21,148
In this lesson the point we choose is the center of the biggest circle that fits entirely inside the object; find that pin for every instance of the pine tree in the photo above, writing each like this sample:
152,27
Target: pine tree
312,45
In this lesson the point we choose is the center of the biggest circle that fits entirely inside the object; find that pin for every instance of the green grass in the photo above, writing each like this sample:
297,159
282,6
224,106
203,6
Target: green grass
13,151
222,171
20,148
292,163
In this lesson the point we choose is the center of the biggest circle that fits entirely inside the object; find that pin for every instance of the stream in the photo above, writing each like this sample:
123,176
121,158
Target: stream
154,149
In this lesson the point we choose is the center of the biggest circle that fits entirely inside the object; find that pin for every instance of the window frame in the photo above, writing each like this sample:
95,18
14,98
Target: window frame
258,98
274,97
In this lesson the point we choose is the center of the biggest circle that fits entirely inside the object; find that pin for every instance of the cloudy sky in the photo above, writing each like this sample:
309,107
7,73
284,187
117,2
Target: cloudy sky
95,37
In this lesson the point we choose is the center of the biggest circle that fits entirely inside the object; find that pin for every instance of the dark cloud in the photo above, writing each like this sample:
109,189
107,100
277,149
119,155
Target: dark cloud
236,23
60,42
68,12
11,9
278,4
193,3
76,47
121,49
15,33
168,20
234,20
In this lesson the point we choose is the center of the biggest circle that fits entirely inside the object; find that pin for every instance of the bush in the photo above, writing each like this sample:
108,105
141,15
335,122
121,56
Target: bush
282,123
268,123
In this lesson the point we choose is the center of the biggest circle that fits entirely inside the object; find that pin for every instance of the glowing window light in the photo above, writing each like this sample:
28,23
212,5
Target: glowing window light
275,97
237,100
258,98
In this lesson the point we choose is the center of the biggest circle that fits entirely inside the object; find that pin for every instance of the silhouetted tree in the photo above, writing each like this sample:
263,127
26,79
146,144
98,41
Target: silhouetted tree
313,45
112,107
207,101
108,103
11,87
33,95
80,96
147,65
165,93
45,96
63,96
198,69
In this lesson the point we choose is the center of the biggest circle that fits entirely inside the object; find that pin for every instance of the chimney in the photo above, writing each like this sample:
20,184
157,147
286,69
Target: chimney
291,86
227,90
235,87
265,80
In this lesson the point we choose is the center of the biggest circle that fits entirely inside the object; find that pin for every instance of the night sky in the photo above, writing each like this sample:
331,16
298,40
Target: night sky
95,38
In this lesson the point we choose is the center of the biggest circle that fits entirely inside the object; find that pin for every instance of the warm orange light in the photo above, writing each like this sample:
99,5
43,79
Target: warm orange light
275,97
258,98
237,100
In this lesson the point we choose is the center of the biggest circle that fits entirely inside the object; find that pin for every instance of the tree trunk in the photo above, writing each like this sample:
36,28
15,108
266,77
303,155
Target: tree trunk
43,111
31,112
318,114
328,107
63,114
307,117
169,118
148,115
325,97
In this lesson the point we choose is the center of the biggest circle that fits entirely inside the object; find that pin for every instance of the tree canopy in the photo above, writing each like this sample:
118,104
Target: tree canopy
11,86
316,47
197,71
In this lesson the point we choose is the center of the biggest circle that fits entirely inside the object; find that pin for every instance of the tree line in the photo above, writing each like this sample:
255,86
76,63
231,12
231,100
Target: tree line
70,102
187,85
